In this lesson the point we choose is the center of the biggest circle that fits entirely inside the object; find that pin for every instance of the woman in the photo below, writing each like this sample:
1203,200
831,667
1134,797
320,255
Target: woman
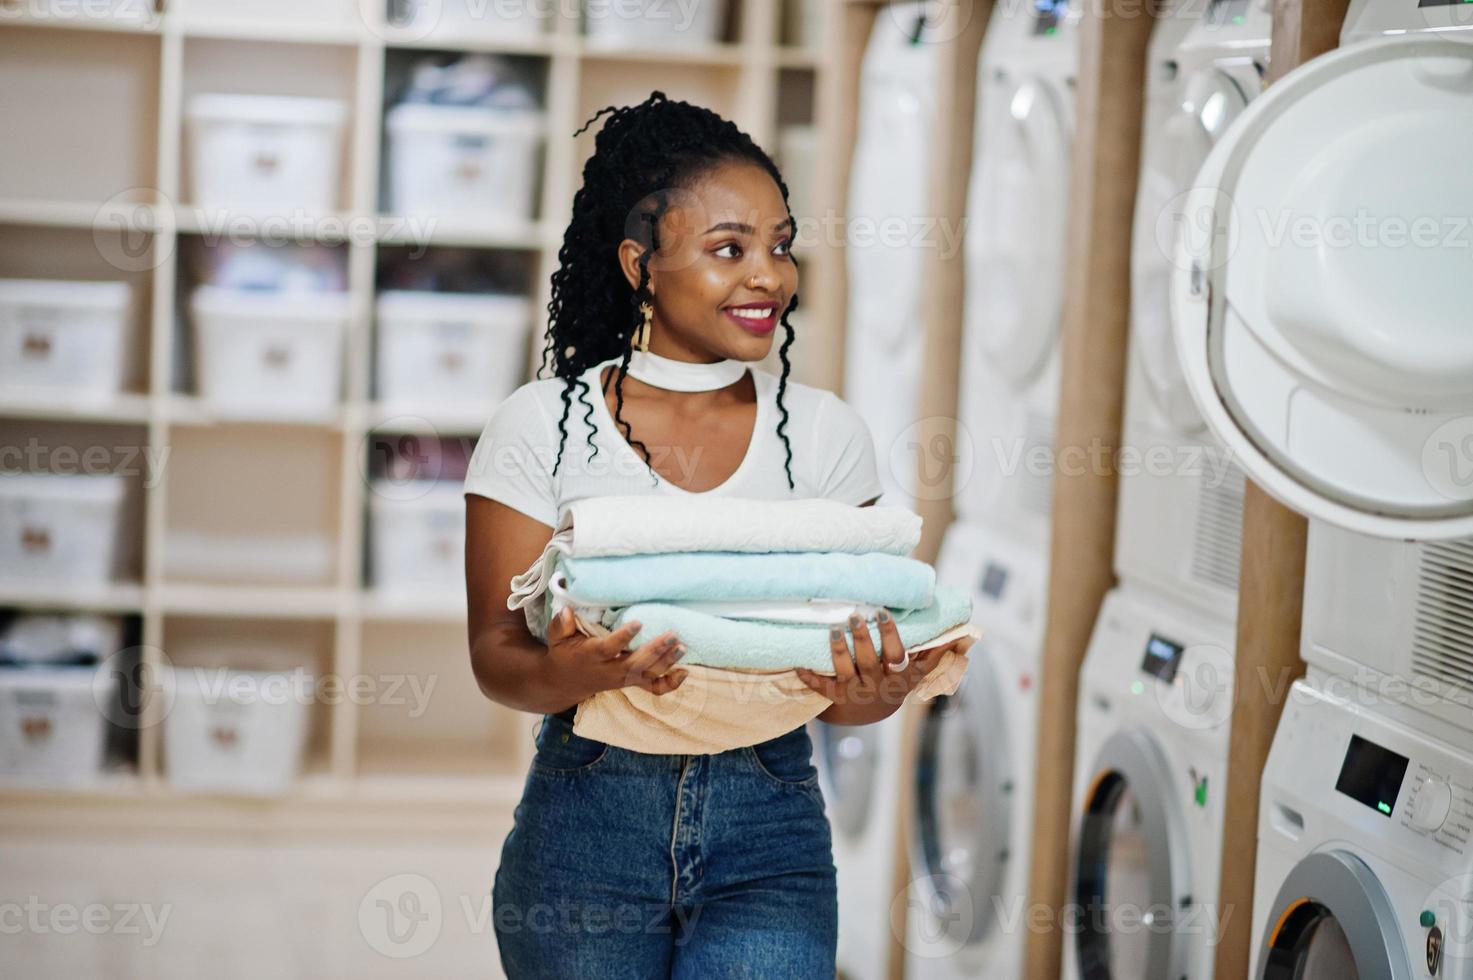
623,864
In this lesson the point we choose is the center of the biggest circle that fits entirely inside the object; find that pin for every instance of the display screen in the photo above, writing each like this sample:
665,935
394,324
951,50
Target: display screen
994,578
1162,657
1048,15
1221,12
1372,775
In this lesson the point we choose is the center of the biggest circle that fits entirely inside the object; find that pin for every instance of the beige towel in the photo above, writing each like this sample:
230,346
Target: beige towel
716,709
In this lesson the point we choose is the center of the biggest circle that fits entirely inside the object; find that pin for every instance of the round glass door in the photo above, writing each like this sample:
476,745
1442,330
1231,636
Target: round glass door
962,806
1130,867
1326,342
1018,219
1347,931
849,761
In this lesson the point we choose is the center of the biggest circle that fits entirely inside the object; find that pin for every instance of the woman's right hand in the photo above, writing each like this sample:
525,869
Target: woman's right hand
581,665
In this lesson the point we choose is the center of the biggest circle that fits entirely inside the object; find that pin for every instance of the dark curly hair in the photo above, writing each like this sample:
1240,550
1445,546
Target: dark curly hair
642,154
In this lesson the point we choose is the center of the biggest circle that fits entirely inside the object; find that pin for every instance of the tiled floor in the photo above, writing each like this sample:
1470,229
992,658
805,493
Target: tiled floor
155,908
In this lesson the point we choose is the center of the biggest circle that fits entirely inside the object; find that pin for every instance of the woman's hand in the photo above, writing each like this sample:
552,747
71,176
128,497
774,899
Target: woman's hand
866,687
580,666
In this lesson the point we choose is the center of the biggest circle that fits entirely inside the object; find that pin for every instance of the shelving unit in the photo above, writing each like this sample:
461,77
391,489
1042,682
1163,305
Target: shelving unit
95,184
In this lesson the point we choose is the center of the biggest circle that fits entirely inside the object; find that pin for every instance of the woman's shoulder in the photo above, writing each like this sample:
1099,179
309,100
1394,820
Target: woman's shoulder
825,408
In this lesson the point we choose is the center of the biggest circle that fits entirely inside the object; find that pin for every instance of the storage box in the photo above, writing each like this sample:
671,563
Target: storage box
612,23
266,152
238,722
62,338
463,161
59,527
269,354
516,19
417,536
450,349
52,731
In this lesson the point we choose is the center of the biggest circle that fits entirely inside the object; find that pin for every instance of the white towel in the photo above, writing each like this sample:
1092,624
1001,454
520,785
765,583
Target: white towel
821,612
660,524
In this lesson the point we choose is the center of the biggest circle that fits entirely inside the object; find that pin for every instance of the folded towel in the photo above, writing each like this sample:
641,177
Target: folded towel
660,524
712,641
714,710
823,612
875,578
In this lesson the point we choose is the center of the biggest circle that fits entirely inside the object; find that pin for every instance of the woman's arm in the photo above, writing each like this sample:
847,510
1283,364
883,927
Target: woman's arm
510,664
513,667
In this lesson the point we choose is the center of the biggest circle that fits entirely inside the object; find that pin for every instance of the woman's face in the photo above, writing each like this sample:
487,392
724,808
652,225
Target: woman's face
724,272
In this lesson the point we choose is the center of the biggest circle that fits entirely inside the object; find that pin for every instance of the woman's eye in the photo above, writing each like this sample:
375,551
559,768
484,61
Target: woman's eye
785,248
727,246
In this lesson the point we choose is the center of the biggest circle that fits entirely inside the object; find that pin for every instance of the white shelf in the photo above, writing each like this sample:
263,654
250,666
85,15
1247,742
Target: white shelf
432,229
253,601
111,215
121,597
300,32
390,607
190,410
123,409
150,24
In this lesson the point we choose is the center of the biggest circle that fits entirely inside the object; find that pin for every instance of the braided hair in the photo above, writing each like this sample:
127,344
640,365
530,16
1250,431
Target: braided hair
642,154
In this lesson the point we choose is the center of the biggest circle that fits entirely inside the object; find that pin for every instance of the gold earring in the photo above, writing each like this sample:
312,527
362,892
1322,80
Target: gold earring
642,332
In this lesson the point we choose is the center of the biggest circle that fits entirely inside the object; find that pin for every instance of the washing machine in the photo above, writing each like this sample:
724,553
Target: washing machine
1181,496
1155,702
972,780
1321,296
1017,216
1364,866
886,247
860,770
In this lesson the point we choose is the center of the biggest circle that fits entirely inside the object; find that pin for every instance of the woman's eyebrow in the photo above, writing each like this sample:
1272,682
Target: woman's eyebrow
744,228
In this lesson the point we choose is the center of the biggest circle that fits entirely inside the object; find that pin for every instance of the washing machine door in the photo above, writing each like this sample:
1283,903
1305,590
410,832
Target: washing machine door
1211,99
963,788
1131,857
889,182
848,766
1332,920
1019,210
1321,294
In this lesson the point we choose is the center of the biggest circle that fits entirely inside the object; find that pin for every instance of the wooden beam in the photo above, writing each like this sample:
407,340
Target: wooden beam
1096,324
943,279
1270,594
836,117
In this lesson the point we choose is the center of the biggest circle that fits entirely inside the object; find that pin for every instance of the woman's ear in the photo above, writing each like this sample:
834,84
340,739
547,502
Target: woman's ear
629,253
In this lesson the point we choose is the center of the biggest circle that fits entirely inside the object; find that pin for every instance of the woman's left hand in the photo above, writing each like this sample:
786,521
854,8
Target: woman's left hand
866,687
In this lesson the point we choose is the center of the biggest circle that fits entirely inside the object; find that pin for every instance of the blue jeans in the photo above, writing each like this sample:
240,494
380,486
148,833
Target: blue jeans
627,865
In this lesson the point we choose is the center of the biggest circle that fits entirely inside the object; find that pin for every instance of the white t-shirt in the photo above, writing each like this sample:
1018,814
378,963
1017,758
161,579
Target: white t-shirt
833,452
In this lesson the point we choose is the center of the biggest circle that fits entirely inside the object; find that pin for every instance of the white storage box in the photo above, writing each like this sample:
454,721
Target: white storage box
51,729
269,354
417,536
238,722
62,338
248,556
59,527
266,152
450,349
650,23
463,160
517,19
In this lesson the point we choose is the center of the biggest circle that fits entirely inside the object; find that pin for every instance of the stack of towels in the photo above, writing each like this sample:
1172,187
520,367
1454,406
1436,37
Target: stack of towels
751,588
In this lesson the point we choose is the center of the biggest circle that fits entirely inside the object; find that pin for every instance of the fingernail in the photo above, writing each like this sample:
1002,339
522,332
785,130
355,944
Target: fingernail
854,619
883,615
680,651
835,634
668,641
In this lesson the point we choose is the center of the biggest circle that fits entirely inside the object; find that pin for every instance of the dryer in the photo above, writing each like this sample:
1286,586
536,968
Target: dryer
1017,215
972,781
860,771
1181,496
1319,305
884,252
1155,702
1395,619
1364,864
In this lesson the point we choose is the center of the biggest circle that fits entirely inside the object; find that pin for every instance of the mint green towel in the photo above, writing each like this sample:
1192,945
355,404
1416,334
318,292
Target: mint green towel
714,641
875,578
